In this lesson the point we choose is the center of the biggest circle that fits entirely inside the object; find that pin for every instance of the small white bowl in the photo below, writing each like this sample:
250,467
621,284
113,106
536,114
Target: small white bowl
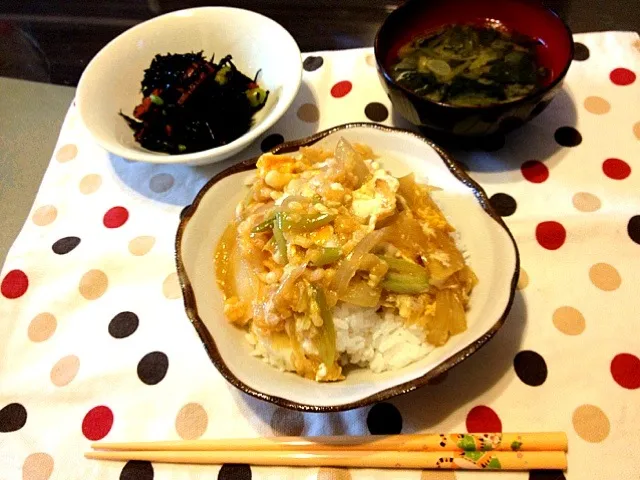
492,254
111,81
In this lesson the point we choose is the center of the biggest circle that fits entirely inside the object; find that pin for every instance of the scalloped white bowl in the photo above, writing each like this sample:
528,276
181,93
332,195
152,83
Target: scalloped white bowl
493,256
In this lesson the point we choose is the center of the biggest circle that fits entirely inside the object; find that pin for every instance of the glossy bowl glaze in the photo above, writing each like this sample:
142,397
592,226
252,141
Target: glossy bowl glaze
529,17
111,81
492,254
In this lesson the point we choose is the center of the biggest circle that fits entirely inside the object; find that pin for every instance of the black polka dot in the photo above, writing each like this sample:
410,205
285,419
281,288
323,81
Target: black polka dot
123,324
633,228
384,419
530,368
153,367
234,471
271,141
504,204
312,63
137,470
568,137
65,245
12,417
546,475
580,52
376,112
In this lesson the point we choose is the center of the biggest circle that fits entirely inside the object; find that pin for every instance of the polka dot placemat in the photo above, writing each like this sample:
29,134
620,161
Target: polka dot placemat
95,344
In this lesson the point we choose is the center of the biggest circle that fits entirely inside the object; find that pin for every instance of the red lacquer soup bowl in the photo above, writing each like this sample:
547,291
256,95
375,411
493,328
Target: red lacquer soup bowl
420,17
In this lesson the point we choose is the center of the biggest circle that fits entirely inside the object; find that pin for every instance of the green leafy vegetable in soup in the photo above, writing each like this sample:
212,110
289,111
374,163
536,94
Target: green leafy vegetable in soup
470,66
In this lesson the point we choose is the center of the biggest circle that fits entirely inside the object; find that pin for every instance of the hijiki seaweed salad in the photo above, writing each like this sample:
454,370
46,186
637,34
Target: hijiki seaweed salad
192,104
469,65
331,262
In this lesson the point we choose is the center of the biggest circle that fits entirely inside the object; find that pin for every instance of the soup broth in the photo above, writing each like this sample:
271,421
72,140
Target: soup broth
469,65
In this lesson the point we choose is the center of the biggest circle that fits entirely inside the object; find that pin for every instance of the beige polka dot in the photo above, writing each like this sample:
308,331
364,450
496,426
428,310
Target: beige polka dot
37,466
42,326
596,105
523,279
605,276
90,183
586,202
171,287
286,422
308,112
370,60
141,245
636,130
44,215
591,423
569,320
65,370
93,284
191,421
437,475
328,473
161,182
66,153
636,44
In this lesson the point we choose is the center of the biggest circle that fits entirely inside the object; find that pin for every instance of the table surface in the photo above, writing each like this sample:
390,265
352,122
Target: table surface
30,119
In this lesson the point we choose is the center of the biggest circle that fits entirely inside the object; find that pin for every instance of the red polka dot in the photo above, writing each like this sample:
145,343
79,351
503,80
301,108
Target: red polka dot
622,76
551,235
534,171
625,369
14,284
97,423
340,89
115,217
616,169
483,419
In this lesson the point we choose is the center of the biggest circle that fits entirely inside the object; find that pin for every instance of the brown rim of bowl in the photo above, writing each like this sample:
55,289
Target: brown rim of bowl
542,91
191,307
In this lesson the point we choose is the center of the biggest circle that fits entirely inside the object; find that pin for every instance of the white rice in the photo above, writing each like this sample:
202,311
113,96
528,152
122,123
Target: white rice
378,341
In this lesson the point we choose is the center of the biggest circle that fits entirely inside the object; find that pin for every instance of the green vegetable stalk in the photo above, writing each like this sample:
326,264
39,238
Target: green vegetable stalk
301,222
264,226
403,266
404,276
281,242
327,255
404,283
327,344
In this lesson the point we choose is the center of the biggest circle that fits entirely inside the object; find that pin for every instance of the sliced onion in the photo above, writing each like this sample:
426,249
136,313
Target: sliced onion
361,294
348,266
246,282
288,281
293,198
349,157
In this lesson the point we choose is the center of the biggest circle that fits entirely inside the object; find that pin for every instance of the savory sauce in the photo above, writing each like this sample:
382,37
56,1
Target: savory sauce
469,65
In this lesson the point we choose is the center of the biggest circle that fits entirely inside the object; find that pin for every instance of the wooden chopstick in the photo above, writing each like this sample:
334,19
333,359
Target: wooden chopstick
493,460
549,441
493,451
